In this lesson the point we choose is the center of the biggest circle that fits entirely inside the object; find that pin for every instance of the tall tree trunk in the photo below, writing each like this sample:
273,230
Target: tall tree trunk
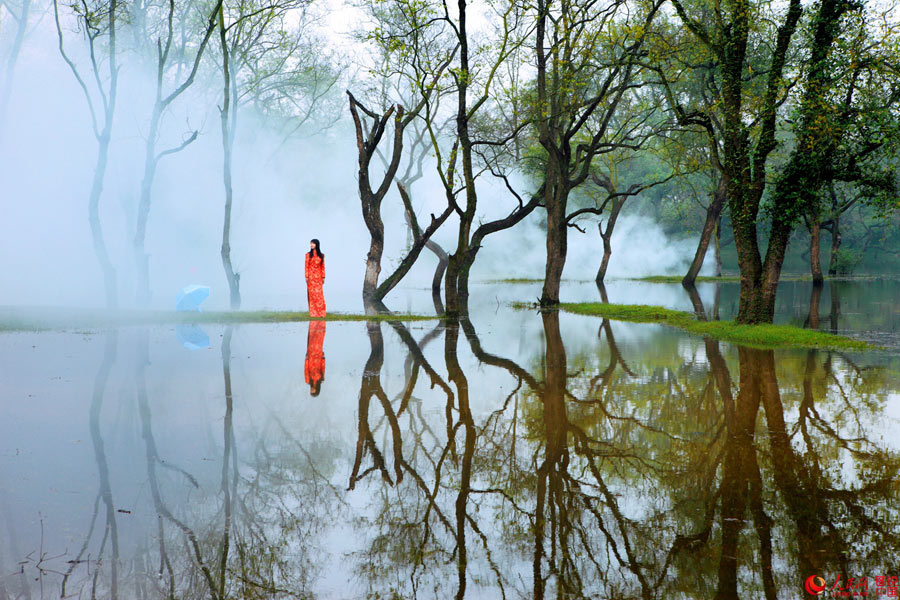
815,262
750,302
366,144
835,244
376,248
451,289
556,196
812,319
141,259
462,280
718,246
228,117
710,229
109,272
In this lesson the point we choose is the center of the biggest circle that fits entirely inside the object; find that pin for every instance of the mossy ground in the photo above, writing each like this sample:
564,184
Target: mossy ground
756,336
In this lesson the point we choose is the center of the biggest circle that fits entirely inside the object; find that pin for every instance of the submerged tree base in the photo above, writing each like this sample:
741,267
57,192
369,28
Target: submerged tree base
756,336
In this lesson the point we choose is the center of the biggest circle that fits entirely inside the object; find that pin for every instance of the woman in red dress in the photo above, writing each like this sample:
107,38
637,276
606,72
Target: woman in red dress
315,277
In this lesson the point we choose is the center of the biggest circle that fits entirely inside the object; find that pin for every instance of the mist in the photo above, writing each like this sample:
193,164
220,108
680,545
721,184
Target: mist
287,191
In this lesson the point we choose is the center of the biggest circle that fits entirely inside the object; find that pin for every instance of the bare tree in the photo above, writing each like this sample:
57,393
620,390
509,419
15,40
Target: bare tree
580,88
170,53
267,58
98,22
19,13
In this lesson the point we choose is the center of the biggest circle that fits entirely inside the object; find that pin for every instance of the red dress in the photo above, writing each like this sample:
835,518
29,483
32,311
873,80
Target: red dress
315,277
314,366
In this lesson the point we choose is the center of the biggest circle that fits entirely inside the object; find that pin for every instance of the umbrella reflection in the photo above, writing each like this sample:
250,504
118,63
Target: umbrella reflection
192,337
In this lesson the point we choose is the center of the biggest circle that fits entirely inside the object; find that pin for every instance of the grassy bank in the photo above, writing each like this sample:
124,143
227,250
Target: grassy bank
757,336
678,278
736,278
513,280
49,319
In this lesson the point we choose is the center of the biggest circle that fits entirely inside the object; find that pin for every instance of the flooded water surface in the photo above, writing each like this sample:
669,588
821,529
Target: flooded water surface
518,454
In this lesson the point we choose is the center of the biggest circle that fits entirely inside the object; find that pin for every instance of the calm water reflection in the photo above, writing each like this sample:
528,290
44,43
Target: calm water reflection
517,455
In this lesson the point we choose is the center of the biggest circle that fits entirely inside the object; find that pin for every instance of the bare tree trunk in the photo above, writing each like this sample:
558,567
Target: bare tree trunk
141,259
109,96
151,157
366,144
12,59
228,116
710,229
420,241
109,271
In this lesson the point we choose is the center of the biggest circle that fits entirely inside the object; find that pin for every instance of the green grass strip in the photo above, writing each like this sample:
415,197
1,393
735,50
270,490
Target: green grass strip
678,278
46,320
756,336
514,280
735,278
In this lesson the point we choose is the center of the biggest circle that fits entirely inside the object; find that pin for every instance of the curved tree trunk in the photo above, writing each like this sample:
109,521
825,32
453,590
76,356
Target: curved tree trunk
710,229
367,144
441,267
606,235
421,239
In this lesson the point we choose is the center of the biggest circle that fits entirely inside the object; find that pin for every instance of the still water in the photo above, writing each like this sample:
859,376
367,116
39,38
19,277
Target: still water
513,455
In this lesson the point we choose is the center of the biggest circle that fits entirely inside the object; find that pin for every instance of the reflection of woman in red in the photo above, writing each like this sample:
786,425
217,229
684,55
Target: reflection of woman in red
314,366
315,277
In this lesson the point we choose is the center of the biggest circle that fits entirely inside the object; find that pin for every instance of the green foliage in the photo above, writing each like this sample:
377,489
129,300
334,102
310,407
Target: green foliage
847,260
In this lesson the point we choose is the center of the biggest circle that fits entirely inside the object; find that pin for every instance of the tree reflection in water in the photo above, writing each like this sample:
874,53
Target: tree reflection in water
654,476
623,469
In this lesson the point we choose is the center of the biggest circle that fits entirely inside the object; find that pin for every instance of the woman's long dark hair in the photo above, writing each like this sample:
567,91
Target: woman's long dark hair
316,249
